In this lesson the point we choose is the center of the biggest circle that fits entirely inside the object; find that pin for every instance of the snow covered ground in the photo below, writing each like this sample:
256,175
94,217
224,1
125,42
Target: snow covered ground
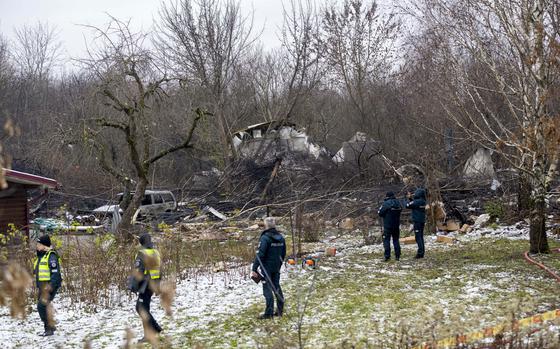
354,298
197,303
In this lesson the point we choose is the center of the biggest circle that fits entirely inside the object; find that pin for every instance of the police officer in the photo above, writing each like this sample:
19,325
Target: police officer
147,265
48,277
390,211
270,256
417,204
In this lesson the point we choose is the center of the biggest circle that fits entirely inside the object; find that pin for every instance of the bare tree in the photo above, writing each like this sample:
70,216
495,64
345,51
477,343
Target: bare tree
286,77
205,42
36,50
9,129
132,89
503,50
359,43
5,65
6,74
35,54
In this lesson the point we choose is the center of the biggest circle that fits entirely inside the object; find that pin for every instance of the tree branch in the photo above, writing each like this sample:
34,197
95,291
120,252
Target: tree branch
186,144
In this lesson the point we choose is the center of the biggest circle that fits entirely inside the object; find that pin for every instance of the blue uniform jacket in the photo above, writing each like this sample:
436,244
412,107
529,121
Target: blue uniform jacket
390,211
271,251
418,206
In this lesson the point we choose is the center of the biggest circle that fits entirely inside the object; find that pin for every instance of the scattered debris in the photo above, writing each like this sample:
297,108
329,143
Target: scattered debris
445,239
52,225
495,184
199,218
214,212
212,235
437,209
480,165
409,240
412,174
330,251
481,221
275,137
357,148
346,224
450,225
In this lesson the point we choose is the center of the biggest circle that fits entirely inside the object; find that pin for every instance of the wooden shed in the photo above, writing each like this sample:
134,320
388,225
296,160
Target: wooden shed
15,200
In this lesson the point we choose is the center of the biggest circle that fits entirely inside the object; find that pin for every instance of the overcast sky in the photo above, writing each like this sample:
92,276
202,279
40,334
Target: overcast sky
66,15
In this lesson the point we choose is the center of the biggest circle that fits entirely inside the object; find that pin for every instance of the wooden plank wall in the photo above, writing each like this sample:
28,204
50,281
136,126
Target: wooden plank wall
13,209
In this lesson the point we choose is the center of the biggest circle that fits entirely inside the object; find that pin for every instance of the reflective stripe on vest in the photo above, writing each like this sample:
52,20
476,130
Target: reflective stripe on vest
155,263
44,272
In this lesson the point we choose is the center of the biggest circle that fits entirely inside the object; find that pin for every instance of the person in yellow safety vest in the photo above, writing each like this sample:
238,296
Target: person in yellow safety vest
48,277
147,264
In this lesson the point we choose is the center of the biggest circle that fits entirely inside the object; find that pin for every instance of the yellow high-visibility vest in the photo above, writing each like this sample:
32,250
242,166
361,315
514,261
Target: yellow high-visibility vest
44,272
154,254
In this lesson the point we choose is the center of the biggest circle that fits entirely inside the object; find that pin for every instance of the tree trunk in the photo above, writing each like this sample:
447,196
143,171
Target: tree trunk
127,196
125,228
537,233
523,196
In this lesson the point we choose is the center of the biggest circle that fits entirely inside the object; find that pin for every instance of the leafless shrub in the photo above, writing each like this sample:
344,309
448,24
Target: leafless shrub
16,281
312,226
128,339
167,295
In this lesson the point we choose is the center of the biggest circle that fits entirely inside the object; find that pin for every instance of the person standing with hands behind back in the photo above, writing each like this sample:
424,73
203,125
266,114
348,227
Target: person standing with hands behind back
390,211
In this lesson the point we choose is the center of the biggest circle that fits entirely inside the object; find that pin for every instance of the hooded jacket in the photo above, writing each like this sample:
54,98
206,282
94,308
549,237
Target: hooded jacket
271,251
390,211
418,206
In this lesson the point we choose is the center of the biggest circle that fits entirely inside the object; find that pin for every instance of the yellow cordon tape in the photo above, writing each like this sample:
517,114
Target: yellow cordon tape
491,331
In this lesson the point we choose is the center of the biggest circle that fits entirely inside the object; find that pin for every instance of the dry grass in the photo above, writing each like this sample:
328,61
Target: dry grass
95,268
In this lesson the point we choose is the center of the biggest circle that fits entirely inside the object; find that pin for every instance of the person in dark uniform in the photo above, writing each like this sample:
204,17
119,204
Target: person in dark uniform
268,261
48,277
418,206
147,265
390,211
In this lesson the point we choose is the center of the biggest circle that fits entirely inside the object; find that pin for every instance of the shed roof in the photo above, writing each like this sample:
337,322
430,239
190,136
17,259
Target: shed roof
29,179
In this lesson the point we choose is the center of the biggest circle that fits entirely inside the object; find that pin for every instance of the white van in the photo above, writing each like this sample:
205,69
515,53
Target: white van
155,201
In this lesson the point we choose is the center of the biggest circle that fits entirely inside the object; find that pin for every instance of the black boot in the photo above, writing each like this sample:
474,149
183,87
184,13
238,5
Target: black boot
48,332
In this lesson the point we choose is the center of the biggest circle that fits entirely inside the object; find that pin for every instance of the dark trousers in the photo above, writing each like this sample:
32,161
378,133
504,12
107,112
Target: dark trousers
143,309
387,236
419,236
45,298
272,289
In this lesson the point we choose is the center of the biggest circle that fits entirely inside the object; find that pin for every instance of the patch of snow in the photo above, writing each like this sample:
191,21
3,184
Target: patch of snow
198,302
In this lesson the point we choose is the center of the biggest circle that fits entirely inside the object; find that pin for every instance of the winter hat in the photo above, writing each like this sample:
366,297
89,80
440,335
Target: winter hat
145,240
44,240
390,195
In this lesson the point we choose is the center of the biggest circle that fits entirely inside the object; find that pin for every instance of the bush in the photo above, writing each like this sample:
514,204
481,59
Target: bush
495,209
312,226
95,267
